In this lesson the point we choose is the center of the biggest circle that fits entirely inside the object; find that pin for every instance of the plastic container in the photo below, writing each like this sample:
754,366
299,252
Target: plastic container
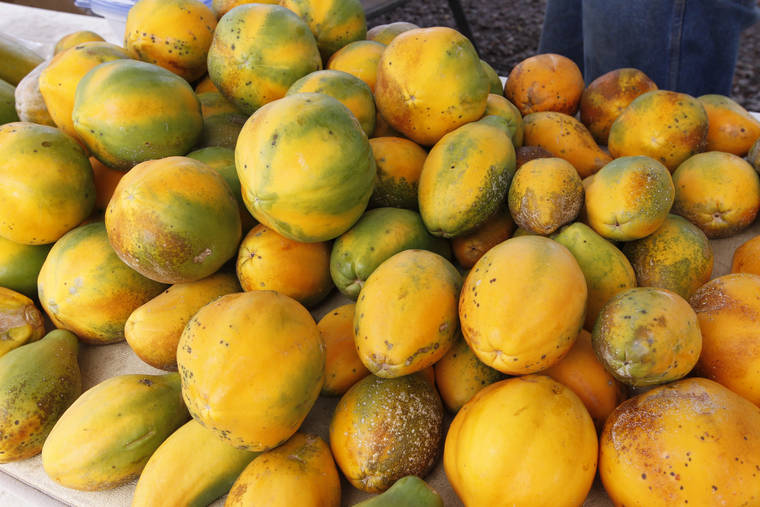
115,12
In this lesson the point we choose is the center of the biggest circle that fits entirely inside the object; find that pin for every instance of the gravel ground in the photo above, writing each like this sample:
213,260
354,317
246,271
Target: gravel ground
507,32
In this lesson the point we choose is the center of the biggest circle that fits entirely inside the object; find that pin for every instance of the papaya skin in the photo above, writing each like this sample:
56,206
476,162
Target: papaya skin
691,440
565,137
608,95
629,198
468,248
334,23
409,491
418,325
107,435
360,59
746,258
384,34
500,106
20,321
38,382
20,265
732,129
677,257
343,368
74,39
545,82
424,110
718,192
399,164
667,126
647,336
299,472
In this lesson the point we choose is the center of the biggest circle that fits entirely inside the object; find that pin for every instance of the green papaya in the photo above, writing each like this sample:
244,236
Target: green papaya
409,491
192,468
38,382
7,103
16,60
20,265
606,269
107,436
379,234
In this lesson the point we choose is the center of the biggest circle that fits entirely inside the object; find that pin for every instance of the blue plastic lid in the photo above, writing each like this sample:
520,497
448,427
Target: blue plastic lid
115,7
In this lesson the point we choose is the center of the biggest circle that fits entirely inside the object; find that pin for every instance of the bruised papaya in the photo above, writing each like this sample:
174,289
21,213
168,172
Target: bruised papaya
465,178
107,436
153,329
379,234
192,468
38,382
299,472
647,336
85,288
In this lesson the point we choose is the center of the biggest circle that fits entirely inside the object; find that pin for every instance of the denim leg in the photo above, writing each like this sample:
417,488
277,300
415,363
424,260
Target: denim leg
684,45
562,31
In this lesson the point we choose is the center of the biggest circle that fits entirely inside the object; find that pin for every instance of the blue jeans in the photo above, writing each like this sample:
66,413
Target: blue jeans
688,46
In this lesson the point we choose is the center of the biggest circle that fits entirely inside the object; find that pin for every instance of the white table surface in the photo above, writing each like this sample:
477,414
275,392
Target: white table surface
24,483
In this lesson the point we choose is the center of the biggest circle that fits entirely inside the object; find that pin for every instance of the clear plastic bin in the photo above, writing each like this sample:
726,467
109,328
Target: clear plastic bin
115,11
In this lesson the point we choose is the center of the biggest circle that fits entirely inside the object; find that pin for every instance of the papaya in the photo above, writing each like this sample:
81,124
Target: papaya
468,248
85,288
521,324
127,112
334,23
58,81
20,265
496,87
105,438
581,371
406,315
30,105
379,234
257,52
754,155
606,269
75,38
718,192
746,257
731,128
17,60
525,154
647,336
205,85
20,320
465,178
459,375
667,126
533,417
726,309
425,109
46,183
629,198
409,491
382,129
349,90
360,59
268,261
222,121
608,95
299,472
677,257
222,7
154,328
7,103
689,442
173,34
384,34
565,137
500,106
545,82
343,368
173,220
399,164
305,130
226,354
106,180
193,467
545,194
38,382
384,429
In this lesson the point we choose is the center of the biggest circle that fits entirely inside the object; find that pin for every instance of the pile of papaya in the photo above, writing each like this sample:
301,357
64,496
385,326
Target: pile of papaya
515,280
